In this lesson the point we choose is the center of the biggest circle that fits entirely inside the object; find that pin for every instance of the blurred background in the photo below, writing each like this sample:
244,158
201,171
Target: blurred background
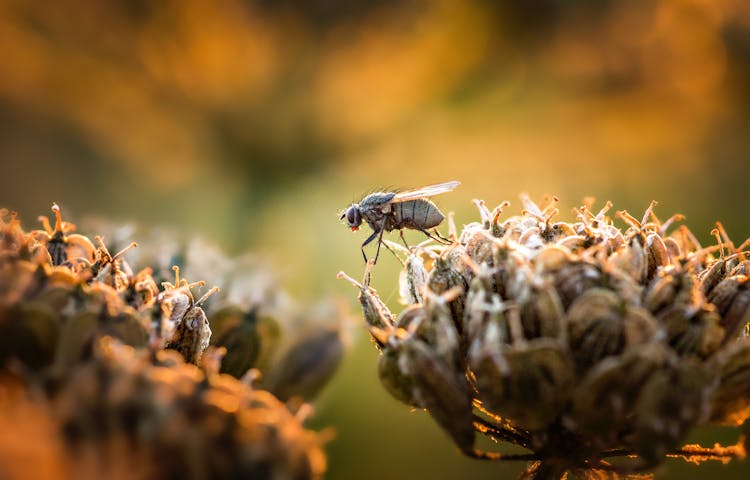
255,122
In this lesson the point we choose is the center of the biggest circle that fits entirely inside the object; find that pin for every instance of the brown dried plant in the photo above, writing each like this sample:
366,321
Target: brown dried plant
594,348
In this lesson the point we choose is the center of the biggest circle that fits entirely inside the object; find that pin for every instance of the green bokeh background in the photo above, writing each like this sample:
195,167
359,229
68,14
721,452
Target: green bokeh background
255,123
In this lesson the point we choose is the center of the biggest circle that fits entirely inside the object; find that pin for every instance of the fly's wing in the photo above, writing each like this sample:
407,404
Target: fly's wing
423,192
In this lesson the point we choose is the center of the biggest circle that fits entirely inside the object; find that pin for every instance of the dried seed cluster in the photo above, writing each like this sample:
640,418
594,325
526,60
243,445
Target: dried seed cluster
575,340
124,362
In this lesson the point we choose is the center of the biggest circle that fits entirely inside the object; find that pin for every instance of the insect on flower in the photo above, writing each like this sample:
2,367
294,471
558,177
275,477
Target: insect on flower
387,211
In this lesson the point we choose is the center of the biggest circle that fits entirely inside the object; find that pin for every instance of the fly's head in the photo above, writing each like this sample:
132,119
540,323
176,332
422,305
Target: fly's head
353,217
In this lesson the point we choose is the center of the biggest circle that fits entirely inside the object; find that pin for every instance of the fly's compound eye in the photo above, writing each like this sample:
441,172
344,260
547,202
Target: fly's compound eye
353,217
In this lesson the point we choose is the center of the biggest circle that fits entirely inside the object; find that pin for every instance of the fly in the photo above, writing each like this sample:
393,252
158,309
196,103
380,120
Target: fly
387,211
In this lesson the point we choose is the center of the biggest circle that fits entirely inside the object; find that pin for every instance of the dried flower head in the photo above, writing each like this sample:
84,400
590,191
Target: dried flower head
123,358
577,341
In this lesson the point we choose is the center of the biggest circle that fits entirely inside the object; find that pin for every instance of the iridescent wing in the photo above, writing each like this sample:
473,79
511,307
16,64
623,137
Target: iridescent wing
427,191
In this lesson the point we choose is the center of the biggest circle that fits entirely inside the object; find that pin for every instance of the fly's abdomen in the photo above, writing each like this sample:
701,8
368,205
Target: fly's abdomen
419,214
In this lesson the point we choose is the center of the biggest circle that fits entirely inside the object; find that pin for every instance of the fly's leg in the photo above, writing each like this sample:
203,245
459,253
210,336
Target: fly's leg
394,253
447,241
369,239
401,232
380,241
438,239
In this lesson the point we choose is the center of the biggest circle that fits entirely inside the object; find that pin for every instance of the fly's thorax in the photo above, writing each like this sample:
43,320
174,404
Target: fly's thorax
374,206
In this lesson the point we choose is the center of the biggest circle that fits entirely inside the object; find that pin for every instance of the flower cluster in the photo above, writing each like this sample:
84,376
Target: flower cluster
577,341
133,364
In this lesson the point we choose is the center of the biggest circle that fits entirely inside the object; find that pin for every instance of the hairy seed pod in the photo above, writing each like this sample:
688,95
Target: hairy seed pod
191,336
438,330
479,246
730,402
731,297
412,280
237,331
542,314
572,280
672,289
376,313
443,391
670,402
444,278
393,372
29,333
482,308
696,333
657,254
600,325
308,365
528,384
605,398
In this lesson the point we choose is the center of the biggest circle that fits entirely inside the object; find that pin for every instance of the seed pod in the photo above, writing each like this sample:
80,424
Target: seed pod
575,278
604,400
62,246
673,248
730,402
29,333
191,336
672,289
512,275
439,330
412,280
142,291
174,304
600,325
482,308
717,271
307,366
737,318
631,259
393,368
444,278
732,300
670,402
376,313
693,333
657,254
76,338
126,327
56,297
16,278
529,385
441,390
411,316
236,331
478,244
542,314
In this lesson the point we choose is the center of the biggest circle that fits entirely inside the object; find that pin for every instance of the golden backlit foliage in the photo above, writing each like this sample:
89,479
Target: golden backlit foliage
159,87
